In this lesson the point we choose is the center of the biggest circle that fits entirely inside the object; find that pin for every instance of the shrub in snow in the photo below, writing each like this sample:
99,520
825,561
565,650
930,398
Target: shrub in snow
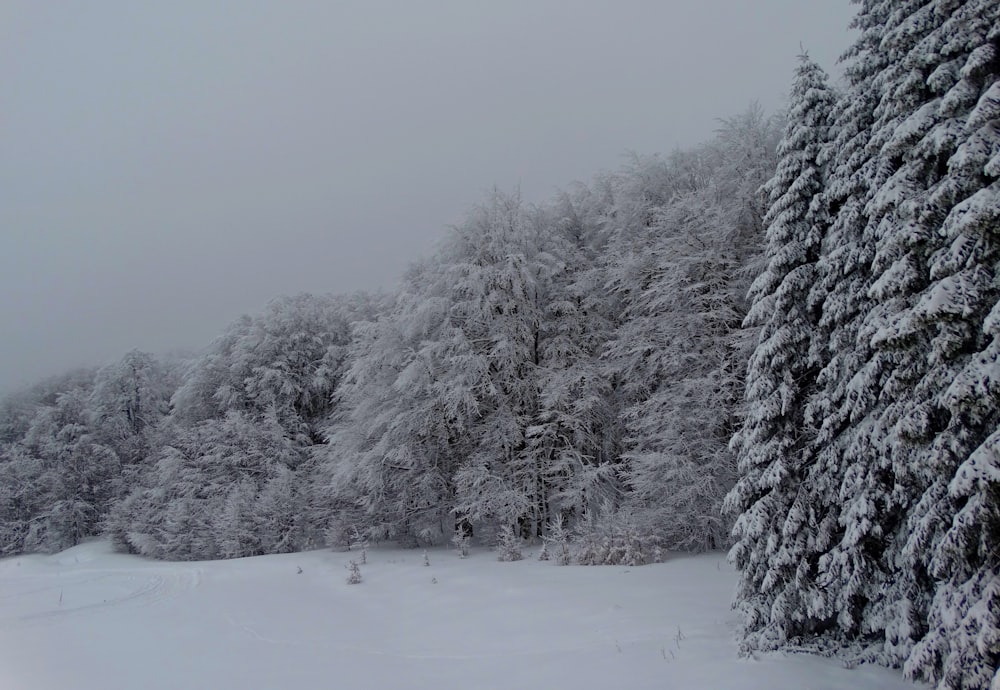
543,555
354,574
615,538
339,531
461,541
509,545
358,542
558,537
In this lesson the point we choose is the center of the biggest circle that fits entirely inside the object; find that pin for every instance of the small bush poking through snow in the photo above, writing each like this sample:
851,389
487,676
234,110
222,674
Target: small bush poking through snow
543,555
509,545
339,532
558,538
354,576
461,542
614,538
358,541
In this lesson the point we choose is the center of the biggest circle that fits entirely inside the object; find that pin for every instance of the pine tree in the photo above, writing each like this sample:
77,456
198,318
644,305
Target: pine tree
947,427
509,545
928,294
848,384
775,443
558,537
904,407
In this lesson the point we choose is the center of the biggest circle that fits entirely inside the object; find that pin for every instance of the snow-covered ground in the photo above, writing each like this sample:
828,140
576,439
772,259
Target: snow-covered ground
89,618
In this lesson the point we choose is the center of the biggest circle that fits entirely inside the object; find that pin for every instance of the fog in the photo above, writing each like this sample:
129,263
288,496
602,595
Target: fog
166,167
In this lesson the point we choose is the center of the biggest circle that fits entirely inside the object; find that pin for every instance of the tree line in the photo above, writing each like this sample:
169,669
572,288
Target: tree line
578,358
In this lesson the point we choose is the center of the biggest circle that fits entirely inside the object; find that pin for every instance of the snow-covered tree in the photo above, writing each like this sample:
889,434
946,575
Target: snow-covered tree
18,408
946,427
288,359
478,397
130,396
558,539
774,446
496,303
222,488
22,496
406,405
679,353
928,295
129,402
900,488
509,544
70,472
572,436
849,380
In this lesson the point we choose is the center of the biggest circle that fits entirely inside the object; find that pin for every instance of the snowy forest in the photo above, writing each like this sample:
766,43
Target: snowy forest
783,342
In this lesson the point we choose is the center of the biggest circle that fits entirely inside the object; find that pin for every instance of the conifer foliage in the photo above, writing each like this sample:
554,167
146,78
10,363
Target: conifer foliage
774,444
868,494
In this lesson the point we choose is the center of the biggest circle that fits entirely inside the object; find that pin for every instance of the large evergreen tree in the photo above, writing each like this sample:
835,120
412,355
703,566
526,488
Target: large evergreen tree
944,430
904,408
777,510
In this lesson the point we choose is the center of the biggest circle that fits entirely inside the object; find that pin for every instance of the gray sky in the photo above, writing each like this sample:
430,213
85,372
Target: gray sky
168,166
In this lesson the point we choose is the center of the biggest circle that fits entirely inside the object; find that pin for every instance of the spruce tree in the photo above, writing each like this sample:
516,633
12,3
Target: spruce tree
931,286
774,445
861,568
946,447
845,408
905,403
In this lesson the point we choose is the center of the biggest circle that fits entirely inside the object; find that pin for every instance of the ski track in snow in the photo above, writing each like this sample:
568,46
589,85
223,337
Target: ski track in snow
65,594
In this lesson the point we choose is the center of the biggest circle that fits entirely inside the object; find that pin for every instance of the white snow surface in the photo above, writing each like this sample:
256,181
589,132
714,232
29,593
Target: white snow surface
90,618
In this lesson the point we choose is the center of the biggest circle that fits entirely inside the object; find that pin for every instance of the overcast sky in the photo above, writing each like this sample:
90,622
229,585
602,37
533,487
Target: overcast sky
168,166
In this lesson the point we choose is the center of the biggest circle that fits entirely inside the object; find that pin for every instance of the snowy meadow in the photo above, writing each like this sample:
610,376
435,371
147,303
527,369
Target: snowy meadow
91,619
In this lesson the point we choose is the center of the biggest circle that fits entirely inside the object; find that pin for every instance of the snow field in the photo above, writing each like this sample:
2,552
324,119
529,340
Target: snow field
92,619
